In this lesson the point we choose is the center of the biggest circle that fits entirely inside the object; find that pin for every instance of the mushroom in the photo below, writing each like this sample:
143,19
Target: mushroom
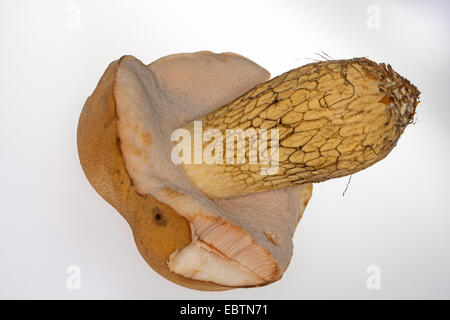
216,226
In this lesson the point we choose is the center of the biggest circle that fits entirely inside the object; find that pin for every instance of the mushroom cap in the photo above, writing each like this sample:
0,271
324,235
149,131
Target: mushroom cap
134,173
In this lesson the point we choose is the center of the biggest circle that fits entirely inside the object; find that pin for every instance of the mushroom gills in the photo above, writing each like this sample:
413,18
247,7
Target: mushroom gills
222,253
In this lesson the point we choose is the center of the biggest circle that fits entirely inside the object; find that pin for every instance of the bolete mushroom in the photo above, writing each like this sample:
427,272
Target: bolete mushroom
219,225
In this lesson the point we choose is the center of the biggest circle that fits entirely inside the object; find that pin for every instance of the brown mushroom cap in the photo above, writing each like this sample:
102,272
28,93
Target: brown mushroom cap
194,84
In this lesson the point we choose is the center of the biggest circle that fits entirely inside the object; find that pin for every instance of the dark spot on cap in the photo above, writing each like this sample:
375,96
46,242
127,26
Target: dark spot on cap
158,217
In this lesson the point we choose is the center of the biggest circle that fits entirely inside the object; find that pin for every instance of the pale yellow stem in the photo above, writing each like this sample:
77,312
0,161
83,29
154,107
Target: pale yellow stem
334,118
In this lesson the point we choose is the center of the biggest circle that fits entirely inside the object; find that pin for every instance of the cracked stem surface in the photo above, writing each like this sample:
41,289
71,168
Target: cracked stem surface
334,118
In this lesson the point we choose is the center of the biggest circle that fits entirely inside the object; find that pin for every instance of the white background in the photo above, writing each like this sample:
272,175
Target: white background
394,215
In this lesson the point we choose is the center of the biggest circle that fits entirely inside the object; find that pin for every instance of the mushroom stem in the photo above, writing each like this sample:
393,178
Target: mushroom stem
334,118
